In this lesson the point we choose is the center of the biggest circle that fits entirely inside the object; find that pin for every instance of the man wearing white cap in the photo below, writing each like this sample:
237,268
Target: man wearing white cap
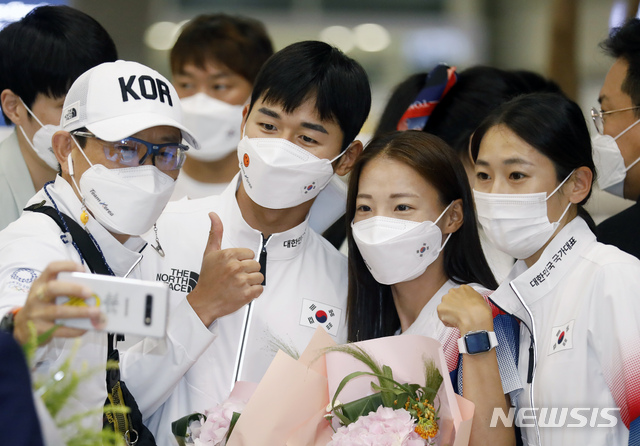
120,151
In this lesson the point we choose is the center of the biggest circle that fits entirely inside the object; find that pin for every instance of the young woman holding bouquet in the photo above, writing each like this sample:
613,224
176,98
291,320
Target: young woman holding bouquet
576,299
413,239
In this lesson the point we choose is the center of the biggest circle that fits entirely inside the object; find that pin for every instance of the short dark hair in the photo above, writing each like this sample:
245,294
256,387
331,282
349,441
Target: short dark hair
319,71
624,43
552,124
239,43
48,49
371,311
476,93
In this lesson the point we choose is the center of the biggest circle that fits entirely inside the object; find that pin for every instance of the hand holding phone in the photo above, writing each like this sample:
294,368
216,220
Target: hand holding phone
41,310
130,306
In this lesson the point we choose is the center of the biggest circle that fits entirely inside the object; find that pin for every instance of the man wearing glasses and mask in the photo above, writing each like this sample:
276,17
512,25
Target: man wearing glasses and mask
120,150
617,145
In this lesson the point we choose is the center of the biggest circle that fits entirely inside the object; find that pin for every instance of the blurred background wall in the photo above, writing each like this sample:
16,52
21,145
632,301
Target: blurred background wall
391,38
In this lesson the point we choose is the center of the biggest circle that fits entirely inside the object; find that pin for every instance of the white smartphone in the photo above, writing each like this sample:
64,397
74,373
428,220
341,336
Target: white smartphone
137,307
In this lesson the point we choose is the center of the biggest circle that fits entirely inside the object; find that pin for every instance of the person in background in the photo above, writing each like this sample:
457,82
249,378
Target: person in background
454,105
413,241
214,64
617,144
40,57
576,298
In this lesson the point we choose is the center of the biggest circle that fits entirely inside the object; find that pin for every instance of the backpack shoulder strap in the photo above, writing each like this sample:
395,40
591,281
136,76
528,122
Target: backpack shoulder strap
78,235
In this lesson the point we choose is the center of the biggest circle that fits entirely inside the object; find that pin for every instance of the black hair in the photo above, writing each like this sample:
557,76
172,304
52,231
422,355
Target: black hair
624,43
239,43
48,50
552,124
477,91
371,311
315,70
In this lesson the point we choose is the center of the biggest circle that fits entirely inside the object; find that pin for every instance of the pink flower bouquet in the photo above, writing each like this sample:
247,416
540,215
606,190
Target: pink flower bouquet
294,402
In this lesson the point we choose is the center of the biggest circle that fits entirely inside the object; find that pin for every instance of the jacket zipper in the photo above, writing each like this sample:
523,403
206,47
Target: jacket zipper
262,259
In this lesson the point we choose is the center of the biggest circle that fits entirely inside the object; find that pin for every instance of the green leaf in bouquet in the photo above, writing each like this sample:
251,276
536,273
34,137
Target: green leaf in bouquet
358,353
232,424
387,394
88,437
180,427
57,389
417,399
275,343
34,341
387,381
353,410
433,379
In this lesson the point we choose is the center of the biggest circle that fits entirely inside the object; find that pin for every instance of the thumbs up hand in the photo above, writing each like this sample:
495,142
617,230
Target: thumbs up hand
229,278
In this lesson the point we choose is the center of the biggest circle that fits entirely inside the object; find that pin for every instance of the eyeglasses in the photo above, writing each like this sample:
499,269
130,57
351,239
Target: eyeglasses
598,116
131,152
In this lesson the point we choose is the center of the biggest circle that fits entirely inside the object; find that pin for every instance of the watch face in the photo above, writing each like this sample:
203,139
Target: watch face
477,342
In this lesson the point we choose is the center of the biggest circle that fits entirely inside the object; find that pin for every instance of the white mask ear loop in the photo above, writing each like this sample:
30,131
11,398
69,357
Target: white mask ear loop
437,220
622,133
564,213
556,189
625,130
33,114
73,177
631,165
26,138
22,130
340,154
560,185
84,215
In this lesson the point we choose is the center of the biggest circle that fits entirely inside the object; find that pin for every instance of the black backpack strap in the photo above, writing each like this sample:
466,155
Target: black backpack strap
118,393
78,235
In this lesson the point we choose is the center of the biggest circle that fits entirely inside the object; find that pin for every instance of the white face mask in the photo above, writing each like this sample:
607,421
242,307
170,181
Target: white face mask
128,200
277,174
517,224
41,144
215,124
397,250
609,162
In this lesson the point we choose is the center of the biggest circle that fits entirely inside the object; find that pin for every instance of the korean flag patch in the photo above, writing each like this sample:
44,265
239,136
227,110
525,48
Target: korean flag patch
561,338
317,314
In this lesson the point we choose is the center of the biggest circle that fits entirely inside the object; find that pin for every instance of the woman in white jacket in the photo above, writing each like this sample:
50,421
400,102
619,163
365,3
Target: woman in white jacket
413,242
577,299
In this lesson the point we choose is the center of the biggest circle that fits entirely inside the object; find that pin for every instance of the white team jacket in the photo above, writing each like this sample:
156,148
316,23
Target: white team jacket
306,286
152,368
16,186
580,307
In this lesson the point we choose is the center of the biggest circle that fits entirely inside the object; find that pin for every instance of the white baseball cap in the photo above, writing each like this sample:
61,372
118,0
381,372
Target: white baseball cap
115,100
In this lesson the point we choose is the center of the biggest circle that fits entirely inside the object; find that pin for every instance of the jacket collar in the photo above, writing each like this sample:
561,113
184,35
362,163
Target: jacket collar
122,258
556,261
280,246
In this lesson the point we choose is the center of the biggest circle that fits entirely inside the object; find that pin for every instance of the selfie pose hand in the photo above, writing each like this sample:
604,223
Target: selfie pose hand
41,309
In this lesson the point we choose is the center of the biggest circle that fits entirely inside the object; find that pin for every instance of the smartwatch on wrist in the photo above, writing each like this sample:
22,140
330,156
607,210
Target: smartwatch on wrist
475,342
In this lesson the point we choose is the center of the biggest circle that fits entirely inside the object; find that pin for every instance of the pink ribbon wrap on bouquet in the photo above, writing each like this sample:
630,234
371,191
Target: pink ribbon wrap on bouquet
289,404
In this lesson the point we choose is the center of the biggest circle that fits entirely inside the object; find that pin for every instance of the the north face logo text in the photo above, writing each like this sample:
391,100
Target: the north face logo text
181,280
71,113
148,88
